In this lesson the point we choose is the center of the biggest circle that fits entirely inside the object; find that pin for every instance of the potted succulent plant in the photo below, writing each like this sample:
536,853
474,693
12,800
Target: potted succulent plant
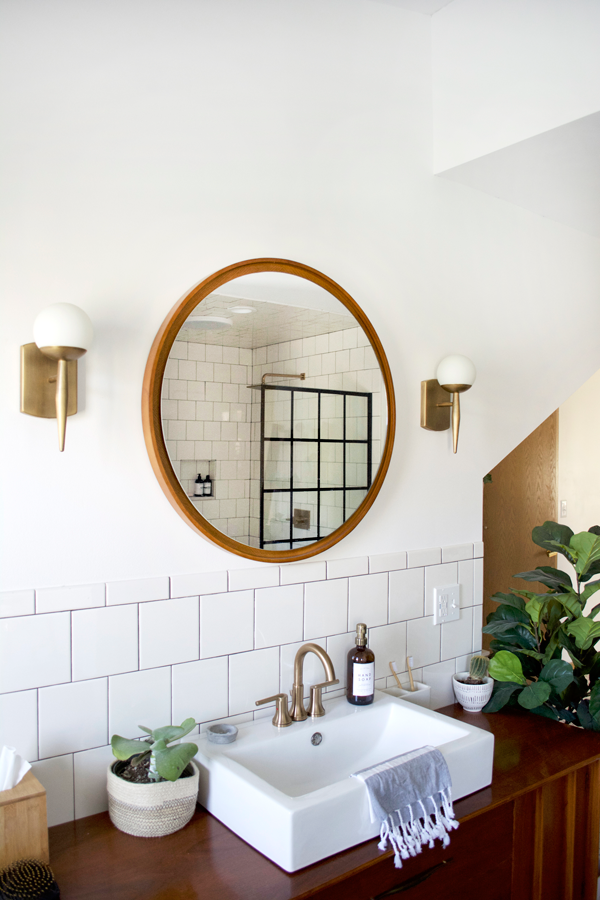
153,788
474,688
533,630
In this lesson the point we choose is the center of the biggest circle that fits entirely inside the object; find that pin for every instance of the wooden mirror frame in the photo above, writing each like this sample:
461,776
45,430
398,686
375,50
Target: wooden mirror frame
152,418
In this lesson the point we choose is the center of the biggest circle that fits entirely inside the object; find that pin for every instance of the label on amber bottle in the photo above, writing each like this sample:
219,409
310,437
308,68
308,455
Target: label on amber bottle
363,679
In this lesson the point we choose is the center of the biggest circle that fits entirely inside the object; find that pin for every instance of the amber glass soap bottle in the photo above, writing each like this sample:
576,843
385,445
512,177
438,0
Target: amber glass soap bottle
361,670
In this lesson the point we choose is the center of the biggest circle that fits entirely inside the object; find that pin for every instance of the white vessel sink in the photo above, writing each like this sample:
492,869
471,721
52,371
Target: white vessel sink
294,800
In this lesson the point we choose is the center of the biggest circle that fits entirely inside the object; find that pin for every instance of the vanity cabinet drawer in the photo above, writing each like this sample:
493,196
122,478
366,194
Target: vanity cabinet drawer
479,853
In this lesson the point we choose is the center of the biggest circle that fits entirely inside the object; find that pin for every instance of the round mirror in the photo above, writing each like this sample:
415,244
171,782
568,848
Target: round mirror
268,410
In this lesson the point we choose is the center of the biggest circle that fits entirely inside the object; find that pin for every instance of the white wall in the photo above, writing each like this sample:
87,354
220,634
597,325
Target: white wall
578,444
505,70
147,144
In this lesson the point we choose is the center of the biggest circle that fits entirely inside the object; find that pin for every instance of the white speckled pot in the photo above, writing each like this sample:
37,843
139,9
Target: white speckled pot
472,697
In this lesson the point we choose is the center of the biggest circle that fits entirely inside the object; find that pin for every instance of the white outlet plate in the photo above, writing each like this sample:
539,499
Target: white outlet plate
446,603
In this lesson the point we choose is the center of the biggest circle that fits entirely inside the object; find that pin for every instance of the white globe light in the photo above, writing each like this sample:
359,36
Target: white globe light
63,325
456,370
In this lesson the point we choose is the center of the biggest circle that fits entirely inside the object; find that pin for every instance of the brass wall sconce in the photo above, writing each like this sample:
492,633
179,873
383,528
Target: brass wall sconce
454,375
62,334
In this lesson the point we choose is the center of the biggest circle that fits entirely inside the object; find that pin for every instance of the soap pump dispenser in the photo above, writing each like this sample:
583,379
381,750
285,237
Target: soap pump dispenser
360,682
198,486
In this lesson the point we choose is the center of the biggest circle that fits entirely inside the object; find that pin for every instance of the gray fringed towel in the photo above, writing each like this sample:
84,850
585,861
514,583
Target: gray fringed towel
410,796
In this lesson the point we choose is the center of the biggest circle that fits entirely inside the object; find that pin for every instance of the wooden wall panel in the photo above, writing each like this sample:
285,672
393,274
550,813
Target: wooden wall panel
521,495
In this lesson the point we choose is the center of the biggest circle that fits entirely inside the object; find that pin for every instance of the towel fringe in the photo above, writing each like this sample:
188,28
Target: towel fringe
408,835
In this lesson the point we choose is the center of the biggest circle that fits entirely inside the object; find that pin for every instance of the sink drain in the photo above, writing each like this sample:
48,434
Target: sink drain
316,738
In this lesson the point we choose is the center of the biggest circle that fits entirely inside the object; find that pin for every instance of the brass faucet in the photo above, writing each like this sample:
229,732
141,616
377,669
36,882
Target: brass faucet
298,713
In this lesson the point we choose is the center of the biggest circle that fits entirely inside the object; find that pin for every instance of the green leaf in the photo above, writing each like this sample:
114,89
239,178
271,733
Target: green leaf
551,533
171,761
572,604
594,705
587,547
509,600
123,748
505,666
487,479
589,592
547,712
143,728
517,635
174,732
595,529
503,691
508,614
585,631
558,673
534,694
585,717
534,609
547,575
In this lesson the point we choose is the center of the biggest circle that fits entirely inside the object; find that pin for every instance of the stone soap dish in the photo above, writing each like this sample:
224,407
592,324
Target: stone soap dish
221,733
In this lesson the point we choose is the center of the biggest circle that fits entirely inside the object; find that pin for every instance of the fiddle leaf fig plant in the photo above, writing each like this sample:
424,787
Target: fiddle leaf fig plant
166,762
532,631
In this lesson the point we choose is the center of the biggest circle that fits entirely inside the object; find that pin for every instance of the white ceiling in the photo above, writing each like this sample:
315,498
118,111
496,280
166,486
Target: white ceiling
428,7
555,174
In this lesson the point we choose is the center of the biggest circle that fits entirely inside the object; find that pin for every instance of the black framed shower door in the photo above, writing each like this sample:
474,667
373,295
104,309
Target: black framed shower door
326,454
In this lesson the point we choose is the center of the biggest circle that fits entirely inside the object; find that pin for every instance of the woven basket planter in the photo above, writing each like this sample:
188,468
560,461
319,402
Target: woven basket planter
472,697
151,810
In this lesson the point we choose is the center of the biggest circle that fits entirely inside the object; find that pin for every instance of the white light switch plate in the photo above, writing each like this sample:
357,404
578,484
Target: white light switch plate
446,603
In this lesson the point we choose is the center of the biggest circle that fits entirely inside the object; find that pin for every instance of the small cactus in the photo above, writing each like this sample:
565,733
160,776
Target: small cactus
478,669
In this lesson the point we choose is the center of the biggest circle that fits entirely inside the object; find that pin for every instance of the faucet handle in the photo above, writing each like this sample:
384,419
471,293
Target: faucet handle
315,708
282,718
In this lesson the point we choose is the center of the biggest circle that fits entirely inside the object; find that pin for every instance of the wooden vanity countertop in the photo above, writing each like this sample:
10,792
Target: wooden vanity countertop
92,860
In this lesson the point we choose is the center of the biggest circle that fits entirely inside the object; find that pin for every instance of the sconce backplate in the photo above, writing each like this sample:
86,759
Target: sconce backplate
433,416
38,392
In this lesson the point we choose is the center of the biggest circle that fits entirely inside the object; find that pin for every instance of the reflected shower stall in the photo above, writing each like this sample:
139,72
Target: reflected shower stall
315,465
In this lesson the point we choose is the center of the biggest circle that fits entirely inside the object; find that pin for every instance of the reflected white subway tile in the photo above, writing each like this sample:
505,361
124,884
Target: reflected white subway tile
105,641
179,350
169,409
177,430
407,594
214,353
79,596
226,623
196,351
168,632
252,676
200,690
187,370
19,723
368,600
438,576
140,590
231,355
17,603
178,390
90,767
56,775
139,698
35,651
73,717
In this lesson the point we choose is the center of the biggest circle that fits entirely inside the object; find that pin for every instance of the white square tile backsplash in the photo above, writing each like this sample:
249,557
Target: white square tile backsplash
211,644
168,632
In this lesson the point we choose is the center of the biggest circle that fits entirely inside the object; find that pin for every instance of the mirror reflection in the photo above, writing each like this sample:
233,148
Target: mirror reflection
273,411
